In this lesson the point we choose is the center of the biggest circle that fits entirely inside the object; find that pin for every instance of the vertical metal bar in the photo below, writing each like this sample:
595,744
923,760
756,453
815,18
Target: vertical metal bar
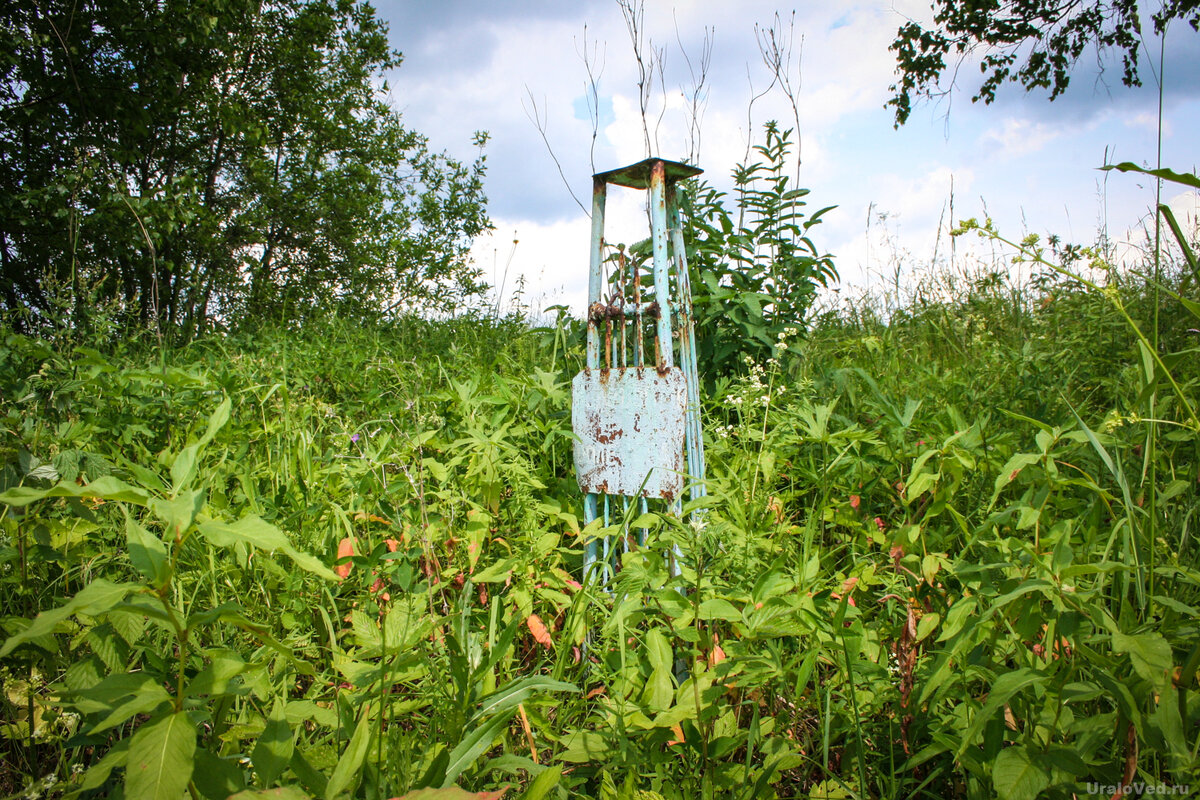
641,535
595,278
662,284
624,301
638,319
625,524
694,433
589,549
609,349
595,285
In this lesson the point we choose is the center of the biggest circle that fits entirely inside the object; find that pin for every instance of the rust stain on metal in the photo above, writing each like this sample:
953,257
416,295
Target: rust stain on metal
629,426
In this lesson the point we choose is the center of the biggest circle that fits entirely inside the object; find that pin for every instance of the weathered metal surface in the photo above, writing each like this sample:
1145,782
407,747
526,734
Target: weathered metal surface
687,348
634,423
659,241
596,262
629,426
639,175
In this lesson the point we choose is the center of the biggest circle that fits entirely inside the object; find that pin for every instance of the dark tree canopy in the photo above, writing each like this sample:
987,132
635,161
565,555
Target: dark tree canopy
191,161
1034,43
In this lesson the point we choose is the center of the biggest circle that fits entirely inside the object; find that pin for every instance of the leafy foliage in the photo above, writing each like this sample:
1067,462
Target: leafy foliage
935,561
756,270
1035,44
185,163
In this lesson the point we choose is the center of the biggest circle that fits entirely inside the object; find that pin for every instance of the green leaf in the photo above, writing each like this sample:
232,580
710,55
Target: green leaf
582,747
1183,178
215,777
310,563
921,484
273,751
927,625
183,466
1009,472
1151,656
495,572
347,772
366,629
312,779
546,780
511,695
98,774
1016,777
179,512
436,469
147,552
161,759
219,417
250,529
960,613
450,793
282,793
106,488
659,690
475,744
1004,688
98,596
718,608
657,649
215,678
148,698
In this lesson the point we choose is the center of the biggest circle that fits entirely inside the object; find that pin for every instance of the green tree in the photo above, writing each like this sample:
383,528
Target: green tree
192,161
1034,43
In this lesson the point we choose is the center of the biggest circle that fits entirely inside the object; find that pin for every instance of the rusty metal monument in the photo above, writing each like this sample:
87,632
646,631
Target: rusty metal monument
636,419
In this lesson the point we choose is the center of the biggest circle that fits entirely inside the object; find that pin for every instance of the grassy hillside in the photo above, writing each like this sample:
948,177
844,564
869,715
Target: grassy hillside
950,551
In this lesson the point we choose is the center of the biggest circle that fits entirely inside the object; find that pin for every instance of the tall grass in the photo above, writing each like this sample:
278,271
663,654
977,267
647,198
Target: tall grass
347,560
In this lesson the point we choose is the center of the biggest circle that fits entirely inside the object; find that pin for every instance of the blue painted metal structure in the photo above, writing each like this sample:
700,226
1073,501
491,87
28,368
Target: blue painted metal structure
637,425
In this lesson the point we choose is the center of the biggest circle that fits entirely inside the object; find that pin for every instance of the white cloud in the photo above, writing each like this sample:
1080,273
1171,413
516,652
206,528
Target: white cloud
1027,169
1135,246
1148,120
1018,137
553,258
907,230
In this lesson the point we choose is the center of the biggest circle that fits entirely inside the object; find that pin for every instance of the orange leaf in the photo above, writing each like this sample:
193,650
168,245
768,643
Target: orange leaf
716,656
538,629
345,548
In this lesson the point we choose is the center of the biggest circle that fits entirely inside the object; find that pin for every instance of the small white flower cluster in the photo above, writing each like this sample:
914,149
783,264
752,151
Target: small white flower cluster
725,431
34,791
781,341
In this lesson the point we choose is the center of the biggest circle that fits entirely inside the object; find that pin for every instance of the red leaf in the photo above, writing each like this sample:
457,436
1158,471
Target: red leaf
538,629
345,548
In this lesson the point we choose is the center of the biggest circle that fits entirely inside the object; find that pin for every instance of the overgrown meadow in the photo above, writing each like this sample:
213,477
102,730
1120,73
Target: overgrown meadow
949,551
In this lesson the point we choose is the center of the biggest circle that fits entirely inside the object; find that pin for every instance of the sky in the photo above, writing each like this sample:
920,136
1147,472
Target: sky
523,72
